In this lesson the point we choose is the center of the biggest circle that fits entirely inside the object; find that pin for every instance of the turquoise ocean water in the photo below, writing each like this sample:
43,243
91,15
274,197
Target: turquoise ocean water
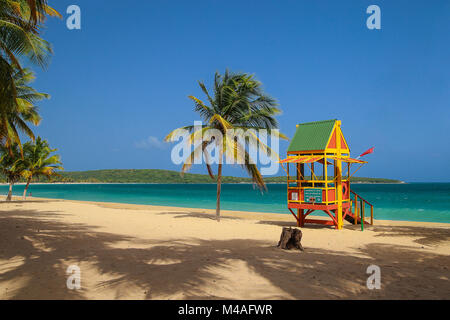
412,202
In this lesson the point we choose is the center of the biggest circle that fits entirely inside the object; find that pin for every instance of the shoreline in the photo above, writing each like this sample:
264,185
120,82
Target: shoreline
187,183
248,215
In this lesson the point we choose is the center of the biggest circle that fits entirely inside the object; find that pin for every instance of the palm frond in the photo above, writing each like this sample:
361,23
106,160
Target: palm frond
237,101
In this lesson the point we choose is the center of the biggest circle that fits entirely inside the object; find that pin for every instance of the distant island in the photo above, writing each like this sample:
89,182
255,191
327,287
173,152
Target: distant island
165,176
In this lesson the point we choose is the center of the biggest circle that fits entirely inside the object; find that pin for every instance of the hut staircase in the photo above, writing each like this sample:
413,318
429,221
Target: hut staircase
358,210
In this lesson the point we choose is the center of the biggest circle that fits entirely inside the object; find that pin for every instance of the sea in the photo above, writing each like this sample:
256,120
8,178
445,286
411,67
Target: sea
428,202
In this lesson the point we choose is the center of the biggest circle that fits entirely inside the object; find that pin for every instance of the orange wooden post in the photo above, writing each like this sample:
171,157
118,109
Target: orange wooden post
371,215
356,210
301,220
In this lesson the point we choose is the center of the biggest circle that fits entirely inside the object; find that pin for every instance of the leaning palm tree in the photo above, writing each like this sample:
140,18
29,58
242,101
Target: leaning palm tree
20,22
9,169
17,112
239,105
37,162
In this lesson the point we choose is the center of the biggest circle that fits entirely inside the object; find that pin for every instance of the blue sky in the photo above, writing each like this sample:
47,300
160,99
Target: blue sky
124,78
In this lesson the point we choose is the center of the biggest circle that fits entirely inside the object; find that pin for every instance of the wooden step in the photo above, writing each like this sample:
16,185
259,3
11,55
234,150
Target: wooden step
350,217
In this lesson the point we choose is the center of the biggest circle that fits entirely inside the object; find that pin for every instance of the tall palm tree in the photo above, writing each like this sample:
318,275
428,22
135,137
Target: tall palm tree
11,171
20,22
19,111
237,102
38,161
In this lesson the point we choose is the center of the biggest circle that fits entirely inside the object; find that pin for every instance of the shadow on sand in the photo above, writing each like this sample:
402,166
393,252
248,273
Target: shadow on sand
428,236
45,244
200,215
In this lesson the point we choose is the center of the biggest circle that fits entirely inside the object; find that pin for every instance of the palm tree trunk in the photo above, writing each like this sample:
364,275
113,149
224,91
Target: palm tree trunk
26,188
219,181
9,197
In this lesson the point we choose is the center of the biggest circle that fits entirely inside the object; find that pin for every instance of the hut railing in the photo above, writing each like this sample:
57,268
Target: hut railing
357,212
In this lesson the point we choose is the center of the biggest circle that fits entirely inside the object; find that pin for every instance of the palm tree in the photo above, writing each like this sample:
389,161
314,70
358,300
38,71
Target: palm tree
237,102
38,161
20,22
16,113
11,171
19,111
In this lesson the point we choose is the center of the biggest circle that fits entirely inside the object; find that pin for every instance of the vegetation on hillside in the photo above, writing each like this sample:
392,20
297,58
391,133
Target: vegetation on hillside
163,176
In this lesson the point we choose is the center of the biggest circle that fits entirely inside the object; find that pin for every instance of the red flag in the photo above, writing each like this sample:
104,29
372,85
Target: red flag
367,152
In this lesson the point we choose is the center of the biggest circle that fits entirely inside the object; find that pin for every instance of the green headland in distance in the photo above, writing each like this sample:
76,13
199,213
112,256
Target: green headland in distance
168,176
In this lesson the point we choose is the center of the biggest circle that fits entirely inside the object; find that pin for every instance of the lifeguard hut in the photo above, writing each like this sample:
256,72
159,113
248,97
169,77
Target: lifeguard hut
318,167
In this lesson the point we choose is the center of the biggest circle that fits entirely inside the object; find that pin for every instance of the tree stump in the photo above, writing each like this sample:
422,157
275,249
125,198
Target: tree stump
290,239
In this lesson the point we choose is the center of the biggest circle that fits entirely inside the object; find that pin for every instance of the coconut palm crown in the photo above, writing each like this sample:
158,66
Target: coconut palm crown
38,161
19,111
20,26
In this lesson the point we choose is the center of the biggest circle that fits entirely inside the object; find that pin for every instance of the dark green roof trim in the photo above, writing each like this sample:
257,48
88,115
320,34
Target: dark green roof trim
312,136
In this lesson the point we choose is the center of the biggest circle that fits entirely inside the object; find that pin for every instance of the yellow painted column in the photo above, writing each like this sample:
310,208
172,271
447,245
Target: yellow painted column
325,174
339,174
299,212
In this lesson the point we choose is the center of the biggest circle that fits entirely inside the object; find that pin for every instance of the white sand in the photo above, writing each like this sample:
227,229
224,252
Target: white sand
149,252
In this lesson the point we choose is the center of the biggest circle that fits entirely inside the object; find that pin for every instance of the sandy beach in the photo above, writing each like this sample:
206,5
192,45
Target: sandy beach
149,252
